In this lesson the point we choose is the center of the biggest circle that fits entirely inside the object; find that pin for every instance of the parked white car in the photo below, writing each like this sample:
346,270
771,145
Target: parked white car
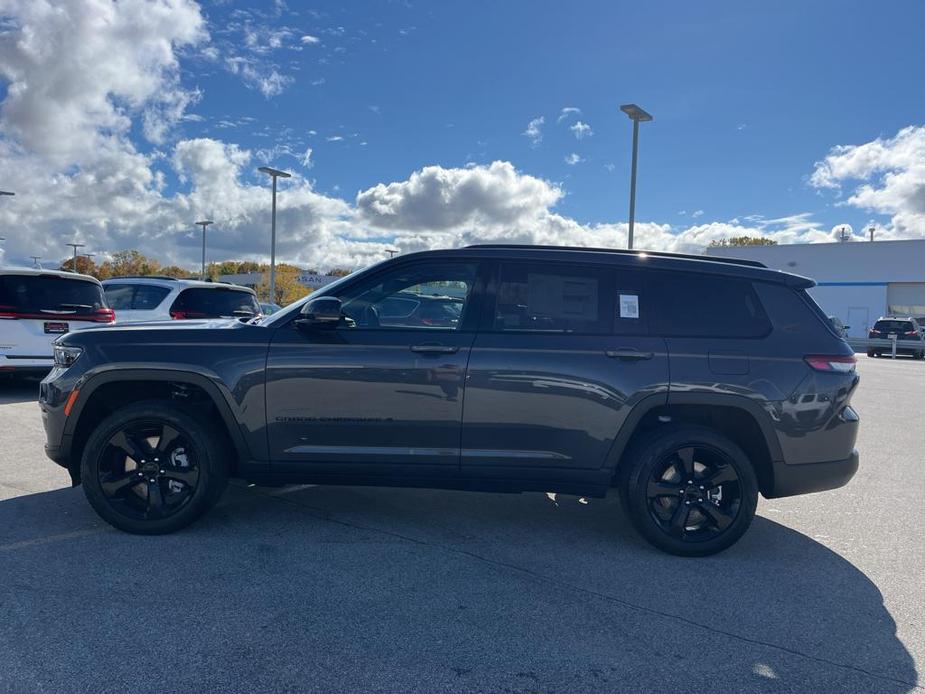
36,306
138,299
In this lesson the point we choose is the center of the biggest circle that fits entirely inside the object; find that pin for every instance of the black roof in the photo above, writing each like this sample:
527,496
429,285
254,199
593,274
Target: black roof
625,251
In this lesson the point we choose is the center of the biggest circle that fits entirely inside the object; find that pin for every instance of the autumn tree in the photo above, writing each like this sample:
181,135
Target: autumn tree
128,263
740,241
288,287
85,265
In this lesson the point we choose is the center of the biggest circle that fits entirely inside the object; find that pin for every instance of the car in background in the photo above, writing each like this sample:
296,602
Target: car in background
423,310
840,327
140,299
36,306
906,329
269,308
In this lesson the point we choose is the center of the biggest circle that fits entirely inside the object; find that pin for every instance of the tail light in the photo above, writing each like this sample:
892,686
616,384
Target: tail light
911,332
8,311
104,315
874,332
179,314
831,363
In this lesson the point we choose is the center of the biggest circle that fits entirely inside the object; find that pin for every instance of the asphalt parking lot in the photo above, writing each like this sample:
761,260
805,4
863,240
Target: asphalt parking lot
362,589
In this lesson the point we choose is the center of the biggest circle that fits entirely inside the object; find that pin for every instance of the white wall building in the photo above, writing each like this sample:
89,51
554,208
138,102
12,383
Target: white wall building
858,281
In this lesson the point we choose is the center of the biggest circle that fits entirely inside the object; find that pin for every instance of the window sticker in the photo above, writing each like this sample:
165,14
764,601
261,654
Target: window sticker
629,306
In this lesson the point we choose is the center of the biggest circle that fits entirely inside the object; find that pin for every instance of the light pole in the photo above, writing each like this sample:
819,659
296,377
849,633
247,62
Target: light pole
391,252
637,115
6,192
75,246
35,261
274,173
204,223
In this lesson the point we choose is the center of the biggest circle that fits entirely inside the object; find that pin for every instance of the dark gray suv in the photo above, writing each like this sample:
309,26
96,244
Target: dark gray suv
689,384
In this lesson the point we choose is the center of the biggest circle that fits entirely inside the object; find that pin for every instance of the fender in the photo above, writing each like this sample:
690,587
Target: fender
217,393
651,402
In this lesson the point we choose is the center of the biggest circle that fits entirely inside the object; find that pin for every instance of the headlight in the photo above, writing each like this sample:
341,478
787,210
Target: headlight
66,356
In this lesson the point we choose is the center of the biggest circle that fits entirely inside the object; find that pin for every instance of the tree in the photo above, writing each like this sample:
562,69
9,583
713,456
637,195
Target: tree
739,241
126,263
85,265
339,272
177,271
288,288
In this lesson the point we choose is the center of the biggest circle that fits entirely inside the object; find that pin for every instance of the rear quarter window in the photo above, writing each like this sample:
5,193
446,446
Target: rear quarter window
700,305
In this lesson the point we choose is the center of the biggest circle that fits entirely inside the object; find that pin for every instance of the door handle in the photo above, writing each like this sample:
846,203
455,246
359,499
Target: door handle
434,349
628,354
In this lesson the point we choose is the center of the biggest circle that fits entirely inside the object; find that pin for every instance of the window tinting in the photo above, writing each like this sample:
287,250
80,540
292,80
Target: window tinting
49,293
424,296
692,305
215,303
138,297
894,326
552,298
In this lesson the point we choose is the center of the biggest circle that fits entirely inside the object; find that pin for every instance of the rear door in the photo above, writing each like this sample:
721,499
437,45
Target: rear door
561,358
36,309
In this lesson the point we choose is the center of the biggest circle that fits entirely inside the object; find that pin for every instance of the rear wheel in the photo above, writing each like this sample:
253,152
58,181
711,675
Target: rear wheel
153,468
871,353
919,355
689,490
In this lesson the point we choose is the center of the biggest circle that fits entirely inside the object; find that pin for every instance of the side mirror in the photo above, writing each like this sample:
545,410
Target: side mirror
323,311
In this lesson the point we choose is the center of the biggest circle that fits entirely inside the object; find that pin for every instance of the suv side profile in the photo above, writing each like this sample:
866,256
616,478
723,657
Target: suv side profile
165,298
689,384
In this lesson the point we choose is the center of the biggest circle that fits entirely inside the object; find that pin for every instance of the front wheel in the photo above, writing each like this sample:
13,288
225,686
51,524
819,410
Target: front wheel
689,490
152,468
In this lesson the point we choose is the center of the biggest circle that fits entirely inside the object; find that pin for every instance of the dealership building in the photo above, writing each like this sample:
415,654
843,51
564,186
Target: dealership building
857,281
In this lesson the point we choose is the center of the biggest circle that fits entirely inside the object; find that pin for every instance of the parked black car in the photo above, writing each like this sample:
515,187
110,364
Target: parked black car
688,383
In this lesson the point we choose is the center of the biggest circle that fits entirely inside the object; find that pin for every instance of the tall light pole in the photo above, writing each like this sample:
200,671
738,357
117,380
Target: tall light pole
35,261
274,173
391,252
204,223
637,115
75,246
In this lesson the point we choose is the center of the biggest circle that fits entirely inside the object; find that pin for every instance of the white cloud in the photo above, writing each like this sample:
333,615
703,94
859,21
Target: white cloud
581,130
334,138
567,112
534,130
268,81
78,72
573,159
307,162
885,175
310,40
697,213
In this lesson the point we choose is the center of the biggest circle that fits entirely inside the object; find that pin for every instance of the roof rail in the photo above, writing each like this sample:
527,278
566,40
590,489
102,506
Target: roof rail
145,277
624,251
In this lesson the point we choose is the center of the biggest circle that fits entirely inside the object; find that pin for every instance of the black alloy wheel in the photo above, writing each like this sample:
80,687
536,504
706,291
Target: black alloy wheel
694,493
148,470
153,467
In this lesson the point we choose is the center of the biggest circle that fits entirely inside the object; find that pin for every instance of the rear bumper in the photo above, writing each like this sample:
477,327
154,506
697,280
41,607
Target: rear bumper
790,480
26,365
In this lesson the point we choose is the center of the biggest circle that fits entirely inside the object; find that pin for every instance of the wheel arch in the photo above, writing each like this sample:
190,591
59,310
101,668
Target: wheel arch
101,390
739,418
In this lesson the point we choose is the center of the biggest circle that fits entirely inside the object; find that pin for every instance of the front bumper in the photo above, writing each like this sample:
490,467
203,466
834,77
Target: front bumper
806,478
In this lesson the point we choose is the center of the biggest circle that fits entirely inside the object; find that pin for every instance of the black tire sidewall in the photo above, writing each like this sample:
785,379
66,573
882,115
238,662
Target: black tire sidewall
649,452
206,448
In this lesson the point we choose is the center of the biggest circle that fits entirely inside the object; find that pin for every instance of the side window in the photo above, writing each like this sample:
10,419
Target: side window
148,297
552,297
119,296
422,296
695,305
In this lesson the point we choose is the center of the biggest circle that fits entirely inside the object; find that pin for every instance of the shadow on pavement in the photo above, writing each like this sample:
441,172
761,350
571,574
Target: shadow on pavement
18,390
359,589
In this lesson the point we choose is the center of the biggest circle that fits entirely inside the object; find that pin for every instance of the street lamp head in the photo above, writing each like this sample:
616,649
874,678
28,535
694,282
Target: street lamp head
274,172
635,113
205,222
6,192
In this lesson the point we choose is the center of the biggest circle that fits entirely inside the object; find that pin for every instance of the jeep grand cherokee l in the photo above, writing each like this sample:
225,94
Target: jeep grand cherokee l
689,384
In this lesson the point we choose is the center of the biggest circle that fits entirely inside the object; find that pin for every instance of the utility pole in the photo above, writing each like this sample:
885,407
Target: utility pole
637,115
204,223
274,173
75,246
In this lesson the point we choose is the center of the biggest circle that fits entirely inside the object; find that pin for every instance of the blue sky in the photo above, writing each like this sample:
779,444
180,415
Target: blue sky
746,96
750,99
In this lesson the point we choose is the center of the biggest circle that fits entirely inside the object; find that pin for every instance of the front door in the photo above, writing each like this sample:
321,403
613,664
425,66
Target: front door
383,391
560,360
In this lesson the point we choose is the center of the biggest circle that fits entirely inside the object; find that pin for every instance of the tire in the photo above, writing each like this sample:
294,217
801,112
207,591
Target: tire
871,353
173,481
919,355
652,489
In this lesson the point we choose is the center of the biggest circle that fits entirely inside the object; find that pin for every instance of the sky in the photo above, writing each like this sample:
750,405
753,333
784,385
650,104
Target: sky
413,125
